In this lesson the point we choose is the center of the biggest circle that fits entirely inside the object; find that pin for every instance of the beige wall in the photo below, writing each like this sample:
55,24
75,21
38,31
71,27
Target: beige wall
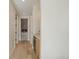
36,18
11,27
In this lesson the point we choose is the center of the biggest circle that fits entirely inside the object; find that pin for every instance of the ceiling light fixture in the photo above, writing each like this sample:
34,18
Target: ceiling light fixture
23,0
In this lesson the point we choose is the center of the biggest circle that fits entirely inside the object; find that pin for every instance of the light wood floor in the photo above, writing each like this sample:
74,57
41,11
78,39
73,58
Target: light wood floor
23,50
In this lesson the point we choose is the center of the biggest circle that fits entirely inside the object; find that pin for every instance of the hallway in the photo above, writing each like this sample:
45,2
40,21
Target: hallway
23,50
25,21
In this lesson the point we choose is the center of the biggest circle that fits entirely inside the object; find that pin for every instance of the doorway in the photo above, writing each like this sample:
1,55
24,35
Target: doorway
24,29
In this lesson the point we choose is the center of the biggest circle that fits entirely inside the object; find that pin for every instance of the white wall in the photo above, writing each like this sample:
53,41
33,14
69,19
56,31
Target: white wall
11,27
19,28
30,28
54,29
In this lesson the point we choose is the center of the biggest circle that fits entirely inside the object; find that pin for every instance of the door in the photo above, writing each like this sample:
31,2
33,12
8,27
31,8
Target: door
24,29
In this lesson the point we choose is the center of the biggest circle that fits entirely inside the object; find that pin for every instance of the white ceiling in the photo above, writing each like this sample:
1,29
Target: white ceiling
24,8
